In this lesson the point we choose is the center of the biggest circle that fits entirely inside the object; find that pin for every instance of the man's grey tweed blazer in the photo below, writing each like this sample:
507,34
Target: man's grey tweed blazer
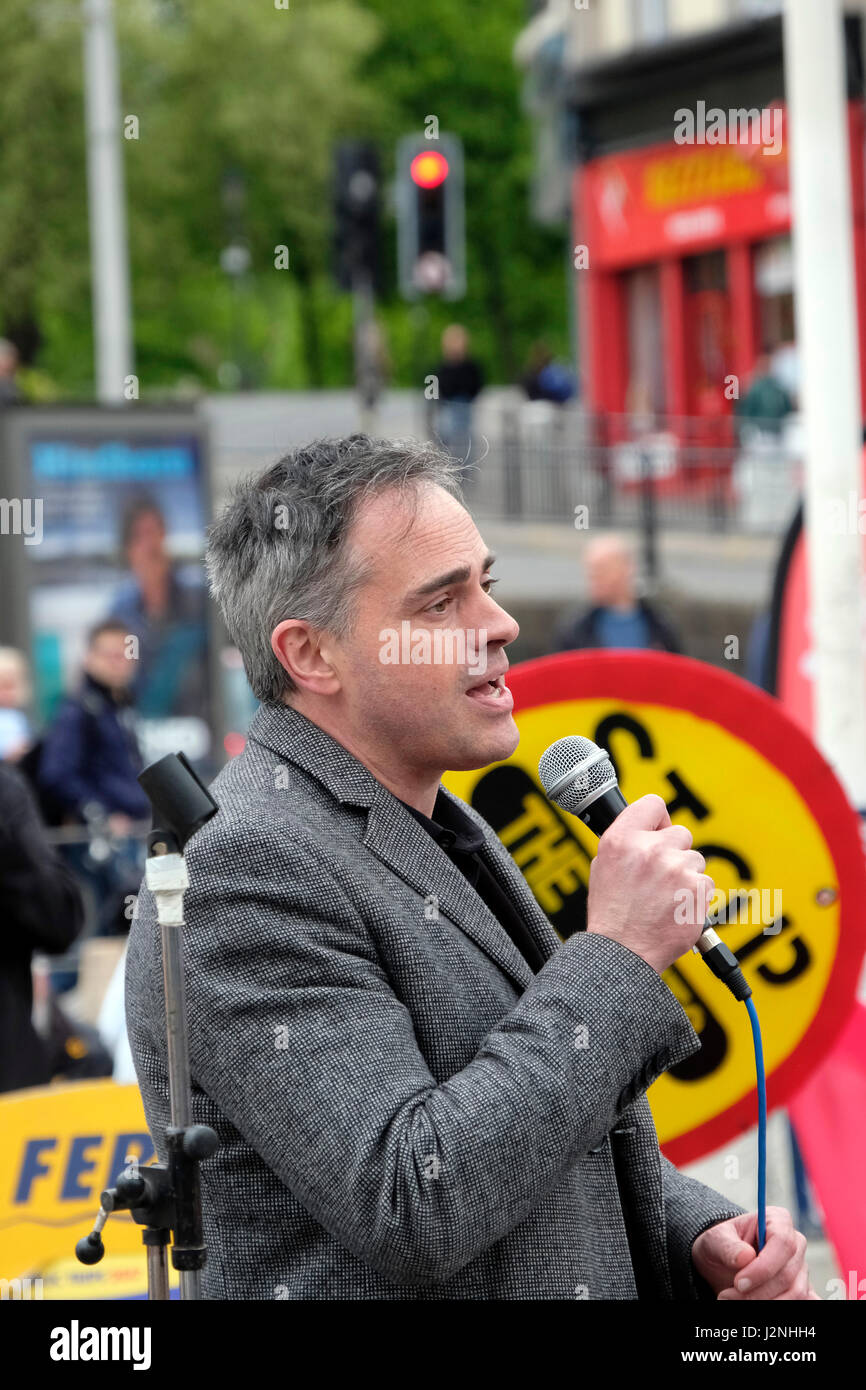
404,1110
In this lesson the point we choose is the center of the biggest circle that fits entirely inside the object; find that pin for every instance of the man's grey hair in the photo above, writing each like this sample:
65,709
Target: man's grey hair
279,550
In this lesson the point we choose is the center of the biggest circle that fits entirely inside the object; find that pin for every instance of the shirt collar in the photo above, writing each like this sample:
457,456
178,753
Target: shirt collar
450,826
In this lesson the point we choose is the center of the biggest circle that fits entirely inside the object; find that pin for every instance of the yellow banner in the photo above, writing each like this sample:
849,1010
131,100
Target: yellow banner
62,1146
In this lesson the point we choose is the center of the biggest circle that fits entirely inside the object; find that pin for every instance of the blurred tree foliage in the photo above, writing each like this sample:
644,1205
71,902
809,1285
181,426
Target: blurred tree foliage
453,60
44,266
218,86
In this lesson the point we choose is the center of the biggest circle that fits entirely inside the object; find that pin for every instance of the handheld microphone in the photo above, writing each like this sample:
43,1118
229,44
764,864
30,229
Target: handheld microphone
579,776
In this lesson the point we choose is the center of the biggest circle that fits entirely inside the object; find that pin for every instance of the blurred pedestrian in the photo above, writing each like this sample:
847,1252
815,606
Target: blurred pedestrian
41,910
16,735
88,766
546,379
10,393
90,757
459,381
766,402
617,617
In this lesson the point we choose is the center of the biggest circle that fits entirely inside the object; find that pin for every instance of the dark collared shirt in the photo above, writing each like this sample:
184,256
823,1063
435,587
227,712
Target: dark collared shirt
461,839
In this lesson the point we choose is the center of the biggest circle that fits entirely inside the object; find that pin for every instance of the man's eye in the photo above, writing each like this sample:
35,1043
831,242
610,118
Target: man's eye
437,607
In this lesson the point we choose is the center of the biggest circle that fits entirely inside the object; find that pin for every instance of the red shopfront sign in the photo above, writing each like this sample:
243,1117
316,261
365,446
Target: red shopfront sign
670,199
663,203
679,199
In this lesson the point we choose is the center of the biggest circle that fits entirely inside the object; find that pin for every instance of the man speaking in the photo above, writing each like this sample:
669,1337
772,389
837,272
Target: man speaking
419,1092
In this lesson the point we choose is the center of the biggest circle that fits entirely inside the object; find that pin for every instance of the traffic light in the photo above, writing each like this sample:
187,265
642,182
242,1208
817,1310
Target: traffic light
431,238
356,214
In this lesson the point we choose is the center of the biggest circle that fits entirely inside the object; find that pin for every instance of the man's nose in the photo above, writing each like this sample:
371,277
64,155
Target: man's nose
500,625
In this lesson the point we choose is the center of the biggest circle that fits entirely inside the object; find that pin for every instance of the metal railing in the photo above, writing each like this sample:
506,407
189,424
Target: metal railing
545,462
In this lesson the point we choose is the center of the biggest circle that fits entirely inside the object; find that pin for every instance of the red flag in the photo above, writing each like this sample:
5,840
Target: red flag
829,1115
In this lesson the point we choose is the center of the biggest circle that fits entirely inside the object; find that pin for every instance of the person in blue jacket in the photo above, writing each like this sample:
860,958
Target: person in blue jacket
87,767
617,616
90,759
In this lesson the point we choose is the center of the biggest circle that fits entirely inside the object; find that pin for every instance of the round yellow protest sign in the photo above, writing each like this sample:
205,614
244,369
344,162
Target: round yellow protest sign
781,843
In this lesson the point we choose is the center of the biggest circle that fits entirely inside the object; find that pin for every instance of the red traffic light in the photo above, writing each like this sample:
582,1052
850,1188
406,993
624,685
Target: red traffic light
429,169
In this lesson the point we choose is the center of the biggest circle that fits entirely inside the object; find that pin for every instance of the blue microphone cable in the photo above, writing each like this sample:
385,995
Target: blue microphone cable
762,1121
578,776
725,966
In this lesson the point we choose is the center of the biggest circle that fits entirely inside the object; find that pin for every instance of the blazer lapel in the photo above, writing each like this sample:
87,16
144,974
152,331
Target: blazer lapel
504,869
404,846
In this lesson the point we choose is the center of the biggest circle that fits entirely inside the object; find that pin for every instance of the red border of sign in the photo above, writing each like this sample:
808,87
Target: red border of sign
747,712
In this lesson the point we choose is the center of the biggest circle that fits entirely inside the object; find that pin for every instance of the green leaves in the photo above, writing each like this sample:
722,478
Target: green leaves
216,86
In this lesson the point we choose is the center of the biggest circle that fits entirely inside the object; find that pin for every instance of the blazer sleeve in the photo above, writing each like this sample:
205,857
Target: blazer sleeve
298,1036
63,762
690,1208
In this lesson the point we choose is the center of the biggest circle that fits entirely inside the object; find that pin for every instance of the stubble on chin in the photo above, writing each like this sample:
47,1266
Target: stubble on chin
470,750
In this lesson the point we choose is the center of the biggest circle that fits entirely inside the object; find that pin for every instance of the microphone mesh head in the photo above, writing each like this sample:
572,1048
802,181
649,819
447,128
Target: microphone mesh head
574,770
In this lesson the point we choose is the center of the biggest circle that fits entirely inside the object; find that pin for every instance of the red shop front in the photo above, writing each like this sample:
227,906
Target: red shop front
687,273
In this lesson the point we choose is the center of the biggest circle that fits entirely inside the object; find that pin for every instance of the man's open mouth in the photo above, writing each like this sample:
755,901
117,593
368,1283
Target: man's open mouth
489,689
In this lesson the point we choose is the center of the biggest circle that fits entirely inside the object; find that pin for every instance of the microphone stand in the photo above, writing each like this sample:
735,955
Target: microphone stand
165,1198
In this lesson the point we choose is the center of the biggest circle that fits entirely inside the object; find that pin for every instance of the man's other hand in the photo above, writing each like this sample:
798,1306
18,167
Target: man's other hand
727,1257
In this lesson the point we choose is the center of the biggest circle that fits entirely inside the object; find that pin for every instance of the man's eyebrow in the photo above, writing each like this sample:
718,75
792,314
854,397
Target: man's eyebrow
443,581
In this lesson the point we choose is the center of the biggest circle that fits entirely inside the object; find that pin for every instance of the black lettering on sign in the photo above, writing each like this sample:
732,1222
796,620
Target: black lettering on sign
622,722
802,955
540,841
736,861
719,917
684,799
714,1039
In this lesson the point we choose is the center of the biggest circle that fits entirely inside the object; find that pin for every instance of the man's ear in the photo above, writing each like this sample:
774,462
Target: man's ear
297,646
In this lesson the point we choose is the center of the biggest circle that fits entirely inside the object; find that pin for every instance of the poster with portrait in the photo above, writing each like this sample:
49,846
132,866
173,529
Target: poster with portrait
118,503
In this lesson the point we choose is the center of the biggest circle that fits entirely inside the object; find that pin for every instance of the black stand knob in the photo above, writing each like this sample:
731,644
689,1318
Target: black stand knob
90,1249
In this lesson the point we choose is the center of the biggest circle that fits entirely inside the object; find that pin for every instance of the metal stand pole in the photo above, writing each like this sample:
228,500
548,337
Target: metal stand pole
165,1198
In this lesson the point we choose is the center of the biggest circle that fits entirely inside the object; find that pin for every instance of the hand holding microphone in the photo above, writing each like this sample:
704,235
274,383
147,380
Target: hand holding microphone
643,868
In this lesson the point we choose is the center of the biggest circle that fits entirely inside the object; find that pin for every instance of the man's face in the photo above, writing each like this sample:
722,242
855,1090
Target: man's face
107,661
429,593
